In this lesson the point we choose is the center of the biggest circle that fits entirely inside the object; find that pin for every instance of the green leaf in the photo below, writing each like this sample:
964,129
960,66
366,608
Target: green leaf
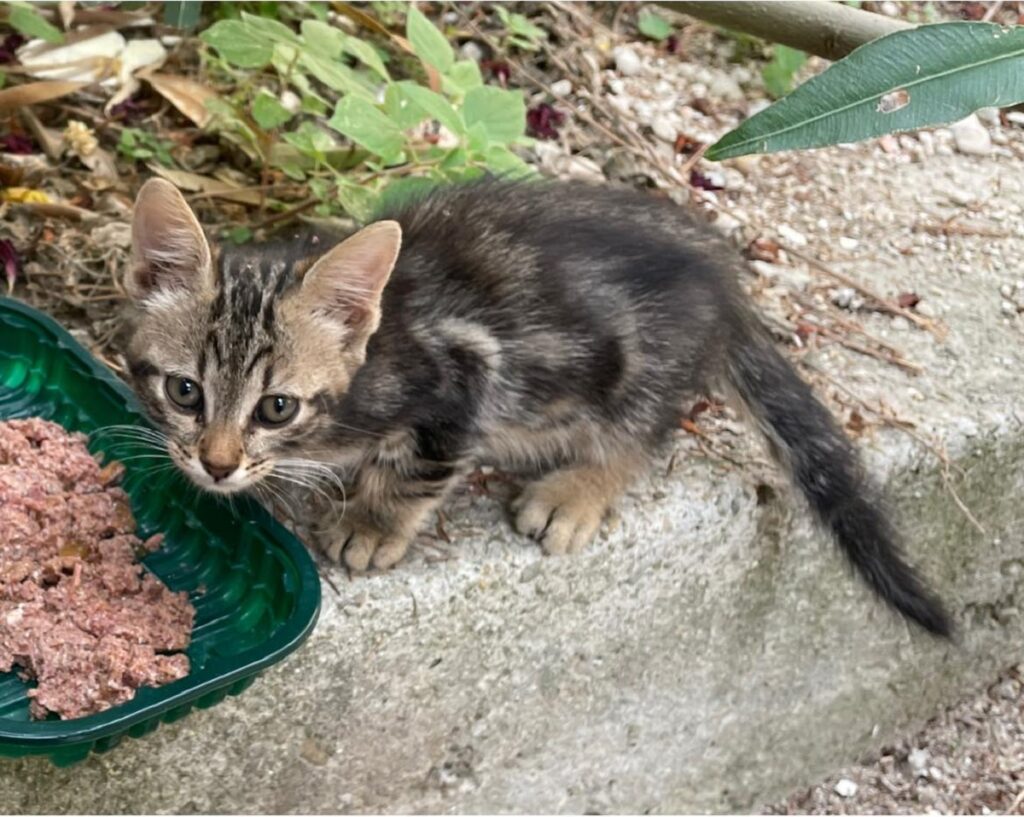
778,74
238,235
501,113
236,43
477,137
183,14
359,202
401,191
323,40
268,112
266,28
922,77
429,44
336,75
522,33
26,20
366,125
368,56
401,109
464,76
435,105
654,26
310,139
503,161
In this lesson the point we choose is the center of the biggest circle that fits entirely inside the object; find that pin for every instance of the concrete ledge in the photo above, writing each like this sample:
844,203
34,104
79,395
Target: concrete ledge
709,653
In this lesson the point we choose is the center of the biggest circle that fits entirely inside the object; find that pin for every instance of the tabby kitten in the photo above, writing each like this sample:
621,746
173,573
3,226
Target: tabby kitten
555,329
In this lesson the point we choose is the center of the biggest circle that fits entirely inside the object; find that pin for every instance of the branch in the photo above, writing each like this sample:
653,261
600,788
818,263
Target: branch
828,29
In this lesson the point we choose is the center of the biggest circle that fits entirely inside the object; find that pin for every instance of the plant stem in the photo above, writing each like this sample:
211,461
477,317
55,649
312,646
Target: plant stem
828,29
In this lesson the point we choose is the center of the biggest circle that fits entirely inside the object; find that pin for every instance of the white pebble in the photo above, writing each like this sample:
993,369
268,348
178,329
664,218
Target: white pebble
846,788
990,116
961,197
664,129
561,88
626,61
725,87
794,237
918,760
972,137
1009,309
848,243
471,51
290,102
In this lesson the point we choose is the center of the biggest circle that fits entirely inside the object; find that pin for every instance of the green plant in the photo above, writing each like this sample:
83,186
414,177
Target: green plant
915,78
354,129
779,73
653,25
140,145
26,20
521,32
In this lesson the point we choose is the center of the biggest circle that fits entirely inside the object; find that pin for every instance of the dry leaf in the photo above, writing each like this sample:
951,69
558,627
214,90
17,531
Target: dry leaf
187,96
33,93
66,9
50,139
196,183
57,209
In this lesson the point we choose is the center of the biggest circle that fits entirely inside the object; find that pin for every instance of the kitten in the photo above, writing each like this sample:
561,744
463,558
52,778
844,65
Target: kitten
551,328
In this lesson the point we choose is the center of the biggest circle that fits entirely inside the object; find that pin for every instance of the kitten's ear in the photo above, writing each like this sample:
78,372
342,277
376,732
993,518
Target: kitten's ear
169,250
347,282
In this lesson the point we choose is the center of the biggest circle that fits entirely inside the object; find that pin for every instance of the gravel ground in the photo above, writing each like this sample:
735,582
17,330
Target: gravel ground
967,760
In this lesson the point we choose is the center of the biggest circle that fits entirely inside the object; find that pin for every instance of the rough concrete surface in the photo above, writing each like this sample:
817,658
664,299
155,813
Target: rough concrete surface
711,651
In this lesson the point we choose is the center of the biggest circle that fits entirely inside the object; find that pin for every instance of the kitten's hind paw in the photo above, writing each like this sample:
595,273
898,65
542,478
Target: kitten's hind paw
562,520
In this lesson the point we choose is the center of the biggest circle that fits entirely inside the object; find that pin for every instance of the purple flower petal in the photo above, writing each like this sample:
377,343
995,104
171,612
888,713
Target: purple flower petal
16,143
9,258
543,121
8,48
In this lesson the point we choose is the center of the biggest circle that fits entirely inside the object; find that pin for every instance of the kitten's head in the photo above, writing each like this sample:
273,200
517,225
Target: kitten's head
238,355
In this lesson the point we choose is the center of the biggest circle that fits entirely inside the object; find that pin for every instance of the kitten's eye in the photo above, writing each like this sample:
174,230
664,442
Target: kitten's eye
276,409
184,393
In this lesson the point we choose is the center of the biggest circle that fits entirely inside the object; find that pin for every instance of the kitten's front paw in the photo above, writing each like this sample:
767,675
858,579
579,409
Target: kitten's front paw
559,517
361,545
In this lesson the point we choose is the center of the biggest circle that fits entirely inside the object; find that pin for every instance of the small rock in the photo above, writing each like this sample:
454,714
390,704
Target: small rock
988,116
1006,290
961,197
726,224
918,760
471,51
848,243
626,61
746,164
290,102
1009,308
900,324
664,130
794,237
844,298
561,88
725,87
926,310
972,137
757,106
846,788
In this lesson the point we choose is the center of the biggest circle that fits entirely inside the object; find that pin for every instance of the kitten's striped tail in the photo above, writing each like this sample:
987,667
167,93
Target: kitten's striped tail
824,465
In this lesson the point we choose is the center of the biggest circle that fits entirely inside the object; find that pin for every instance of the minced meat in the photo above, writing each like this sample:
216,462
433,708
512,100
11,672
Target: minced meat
78,612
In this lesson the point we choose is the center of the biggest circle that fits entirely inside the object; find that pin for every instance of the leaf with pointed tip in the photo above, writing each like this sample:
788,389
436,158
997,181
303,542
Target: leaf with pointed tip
922,77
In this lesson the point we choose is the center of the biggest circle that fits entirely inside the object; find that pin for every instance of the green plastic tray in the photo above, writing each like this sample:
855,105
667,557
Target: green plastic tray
255,588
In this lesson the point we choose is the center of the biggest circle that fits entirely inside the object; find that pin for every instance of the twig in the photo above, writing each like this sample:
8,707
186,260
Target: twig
907,428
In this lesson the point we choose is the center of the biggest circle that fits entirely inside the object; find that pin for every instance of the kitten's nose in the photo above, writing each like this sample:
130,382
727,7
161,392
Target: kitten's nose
219,471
